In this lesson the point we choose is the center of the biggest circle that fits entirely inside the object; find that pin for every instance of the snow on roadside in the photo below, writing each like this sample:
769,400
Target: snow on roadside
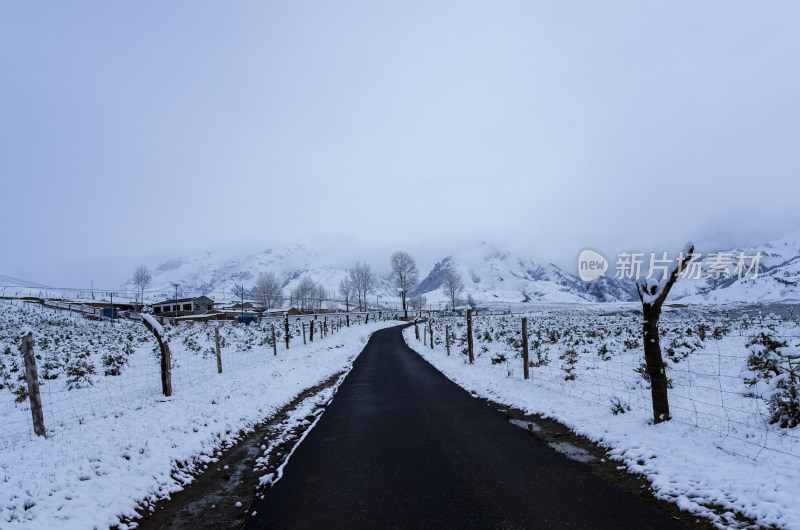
92,475
686,465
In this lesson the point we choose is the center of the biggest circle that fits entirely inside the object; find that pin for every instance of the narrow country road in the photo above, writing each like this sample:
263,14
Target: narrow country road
401,446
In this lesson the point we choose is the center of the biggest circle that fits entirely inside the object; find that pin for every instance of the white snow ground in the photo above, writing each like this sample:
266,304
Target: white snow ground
119,443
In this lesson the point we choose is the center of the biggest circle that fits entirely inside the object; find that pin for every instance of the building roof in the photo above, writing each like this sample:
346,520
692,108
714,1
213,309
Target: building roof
179,300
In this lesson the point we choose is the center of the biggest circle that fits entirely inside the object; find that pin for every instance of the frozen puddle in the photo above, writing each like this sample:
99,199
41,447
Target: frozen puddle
573,452
527,425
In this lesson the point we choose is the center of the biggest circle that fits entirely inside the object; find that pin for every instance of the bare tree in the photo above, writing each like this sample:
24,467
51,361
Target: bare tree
418,302
267,290
346,290
405,274
363,281
452,286
305,293
652,293
142,279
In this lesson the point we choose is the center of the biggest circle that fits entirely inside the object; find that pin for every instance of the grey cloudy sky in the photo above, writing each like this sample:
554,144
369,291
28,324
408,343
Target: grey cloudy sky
131,131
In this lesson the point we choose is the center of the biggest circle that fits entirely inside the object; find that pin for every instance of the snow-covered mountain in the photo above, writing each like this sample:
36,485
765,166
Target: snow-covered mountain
778,278
492,276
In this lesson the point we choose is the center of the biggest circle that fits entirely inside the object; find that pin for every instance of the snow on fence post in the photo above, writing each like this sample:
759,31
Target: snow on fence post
652,293
525,369
166,376
469,336
286,323
219,355
274,342
32,376
311,331
447,339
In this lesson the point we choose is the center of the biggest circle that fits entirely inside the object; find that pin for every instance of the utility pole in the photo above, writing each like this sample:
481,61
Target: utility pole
112,308
242,302
175,285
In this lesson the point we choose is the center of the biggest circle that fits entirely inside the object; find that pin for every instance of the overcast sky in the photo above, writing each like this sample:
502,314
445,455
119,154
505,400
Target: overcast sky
133,131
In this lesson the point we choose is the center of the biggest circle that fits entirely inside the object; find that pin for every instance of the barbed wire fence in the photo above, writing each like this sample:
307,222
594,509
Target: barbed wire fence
93,369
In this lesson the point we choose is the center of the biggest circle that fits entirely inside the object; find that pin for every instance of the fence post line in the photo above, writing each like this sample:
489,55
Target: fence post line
525,369
32,376
416,329
219,355
447,339
311,331
287,331
348,320
274,342
430,326
424,337
469,336
303,325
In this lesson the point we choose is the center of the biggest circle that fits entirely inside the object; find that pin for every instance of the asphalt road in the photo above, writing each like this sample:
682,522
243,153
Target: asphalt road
401,446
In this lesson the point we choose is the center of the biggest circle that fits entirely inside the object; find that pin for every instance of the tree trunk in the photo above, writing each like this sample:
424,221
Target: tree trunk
655,366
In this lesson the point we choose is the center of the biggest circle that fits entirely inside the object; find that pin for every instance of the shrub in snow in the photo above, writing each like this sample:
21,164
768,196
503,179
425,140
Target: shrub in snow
113,363
680,347
499,359
603,352
777,376
79,374
618,406
570,358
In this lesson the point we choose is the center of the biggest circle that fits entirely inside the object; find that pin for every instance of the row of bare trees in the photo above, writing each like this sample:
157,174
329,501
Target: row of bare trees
352,289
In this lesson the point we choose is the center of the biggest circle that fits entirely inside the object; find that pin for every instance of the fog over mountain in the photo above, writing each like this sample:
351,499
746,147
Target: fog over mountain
492,276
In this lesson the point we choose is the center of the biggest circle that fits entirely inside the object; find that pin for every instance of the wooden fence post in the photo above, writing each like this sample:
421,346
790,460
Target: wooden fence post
287,331
469,336
525,372
416,330
311,331
303,324
447,339
274,342
166,375
424,337
430,325
219,355
348,320
367,320
32,377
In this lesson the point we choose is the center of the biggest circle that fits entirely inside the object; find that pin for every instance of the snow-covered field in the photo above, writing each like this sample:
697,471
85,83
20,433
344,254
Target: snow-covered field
720,448
114,441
